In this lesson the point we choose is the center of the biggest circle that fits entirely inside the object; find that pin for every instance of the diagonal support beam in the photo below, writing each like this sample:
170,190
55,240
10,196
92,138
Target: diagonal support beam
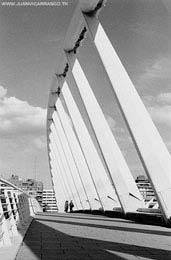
149,144
68,132
79,155
70,160
55,159
103,185
118,171
68,178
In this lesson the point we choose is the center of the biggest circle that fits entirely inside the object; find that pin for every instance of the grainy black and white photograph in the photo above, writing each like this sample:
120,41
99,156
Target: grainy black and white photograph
85,130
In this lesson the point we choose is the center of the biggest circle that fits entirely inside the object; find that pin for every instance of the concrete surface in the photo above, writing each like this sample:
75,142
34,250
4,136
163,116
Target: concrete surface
88,237
9,252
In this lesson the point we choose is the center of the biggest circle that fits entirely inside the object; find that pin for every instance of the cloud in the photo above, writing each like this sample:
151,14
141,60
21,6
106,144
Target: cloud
145,29
159,107
156,75
161,114
3,92
116,128
161,68
164,98
160,99
156,85
40,142
22,126
111,122
23,136
18,117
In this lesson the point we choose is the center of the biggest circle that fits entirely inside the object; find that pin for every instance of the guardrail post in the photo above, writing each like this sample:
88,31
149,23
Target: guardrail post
14,199
32,209
4,232
20,210
12,222
26,211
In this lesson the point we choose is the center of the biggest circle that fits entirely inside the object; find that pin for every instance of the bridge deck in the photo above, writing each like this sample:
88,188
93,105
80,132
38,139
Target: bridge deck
88,237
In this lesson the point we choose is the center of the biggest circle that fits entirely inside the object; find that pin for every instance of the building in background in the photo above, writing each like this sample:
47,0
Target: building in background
49,201
30,186
7,193
16,180
145,188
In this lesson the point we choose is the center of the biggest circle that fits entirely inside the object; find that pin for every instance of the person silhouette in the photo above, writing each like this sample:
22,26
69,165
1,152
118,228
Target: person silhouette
71,205
66,206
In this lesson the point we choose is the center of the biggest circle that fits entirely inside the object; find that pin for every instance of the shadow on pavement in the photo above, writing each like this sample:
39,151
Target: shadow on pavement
111,227
44,242
88,217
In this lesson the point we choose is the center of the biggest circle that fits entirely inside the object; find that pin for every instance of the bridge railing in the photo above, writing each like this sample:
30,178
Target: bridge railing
16,212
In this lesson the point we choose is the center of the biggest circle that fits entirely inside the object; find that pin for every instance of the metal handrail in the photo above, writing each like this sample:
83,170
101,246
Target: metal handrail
14,210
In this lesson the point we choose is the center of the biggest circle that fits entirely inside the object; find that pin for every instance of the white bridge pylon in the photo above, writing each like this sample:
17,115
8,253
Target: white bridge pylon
109,182
80,159
118,171
101,180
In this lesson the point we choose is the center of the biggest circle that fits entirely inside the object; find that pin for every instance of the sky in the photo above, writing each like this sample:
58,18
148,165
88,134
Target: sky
30,46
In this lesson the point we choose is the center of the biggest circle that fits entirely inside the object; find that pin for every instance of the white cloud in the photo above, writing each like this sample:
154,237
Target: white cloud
40,142
164,98
23,136
22,126
156,75
111,122
161,68
161,114
18,117
159,107
161,99
3,92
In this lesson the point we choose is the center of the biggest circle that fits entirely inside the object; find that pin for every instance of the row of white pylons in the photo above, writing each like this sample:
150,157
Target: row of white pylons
86,162
16,212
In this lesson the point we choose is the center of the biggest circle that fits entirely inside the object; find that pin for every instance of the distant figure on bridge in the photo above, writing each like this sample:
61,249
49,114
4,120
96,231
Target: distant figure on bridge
66,206
71,205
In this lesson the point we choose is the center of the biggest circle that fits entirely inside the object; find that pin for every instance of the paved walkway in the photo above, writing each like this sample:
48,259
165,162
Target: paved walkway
88,237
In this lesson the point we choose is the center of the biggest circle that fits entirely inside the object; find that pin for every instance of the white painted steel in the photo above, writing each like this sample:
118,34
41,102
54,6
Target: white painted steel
120,175
57,181
64,175
68,173
59,184
153,152
79,170
58,163
70,160
60,198
99,175
78,154
57,177
68,167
